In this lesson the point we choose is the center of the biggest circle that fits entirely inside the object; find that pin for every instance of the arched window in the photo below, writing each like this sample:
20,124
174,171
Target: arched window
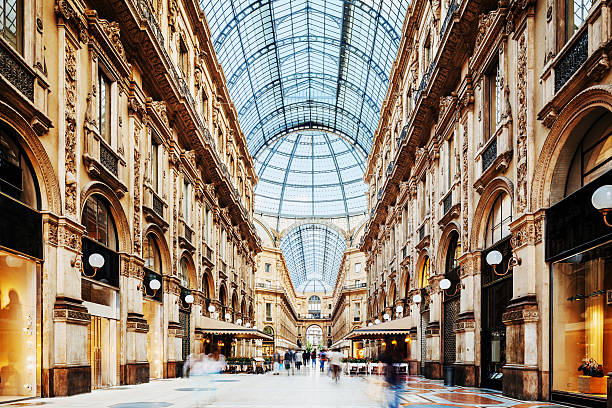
500,217
16,172
453,253
152,257
205,286
99,223
314,304
184,273
268,330
11,23
425,272
593,158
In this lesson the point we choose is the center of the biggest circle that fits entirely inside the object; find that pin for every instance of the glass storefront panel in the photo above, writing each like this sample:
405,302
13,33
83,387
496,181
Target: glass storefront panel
582,322
18,325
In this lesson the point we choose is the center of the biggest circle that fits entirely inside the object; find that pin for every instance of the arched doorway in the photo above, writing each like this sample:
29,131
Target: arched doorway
20,269
424,309
496,290
223,302
186,273
207,290
235,306
579,250
100,289
451,298
268,345
314,337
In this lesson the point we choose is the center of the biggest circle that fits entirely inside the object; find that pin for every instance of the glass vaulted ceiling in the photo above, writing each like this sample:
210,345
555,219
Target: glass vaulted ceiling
313,253
295,65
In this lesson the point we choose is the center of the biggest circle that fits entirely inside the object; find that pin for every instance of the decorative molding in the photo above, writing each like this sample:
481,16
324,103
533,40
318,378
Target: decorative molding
521,155
70,89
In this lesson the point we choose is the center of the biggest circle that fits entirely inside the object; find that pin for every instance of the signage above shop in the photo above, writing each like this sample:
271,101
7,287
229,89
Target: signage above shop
20,228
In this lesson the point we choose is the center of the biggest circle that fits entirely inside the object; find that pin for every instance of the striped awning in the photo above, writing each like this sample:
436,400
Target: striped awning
213,326
398,326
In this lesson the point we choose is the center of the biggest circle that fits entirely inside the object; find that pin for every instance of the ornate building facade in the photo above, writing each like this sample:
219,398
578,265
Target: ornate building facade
490,145
126,191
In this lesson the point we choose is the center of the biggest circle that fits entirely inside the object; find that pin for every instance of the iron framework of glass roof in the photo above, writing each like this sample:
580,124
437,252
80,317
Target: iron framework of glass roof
304,65
313,253
318,173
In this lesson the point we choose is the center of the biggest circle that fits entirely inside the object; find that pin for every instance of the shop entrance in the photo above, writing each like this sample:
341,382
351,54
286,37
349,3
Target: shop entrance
496,294
185,326
102,335
152,314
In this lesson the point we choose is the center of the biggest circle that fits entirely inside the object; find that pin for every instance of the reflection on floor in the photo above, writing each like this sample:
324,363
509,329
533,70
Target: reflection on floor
420,392
308,388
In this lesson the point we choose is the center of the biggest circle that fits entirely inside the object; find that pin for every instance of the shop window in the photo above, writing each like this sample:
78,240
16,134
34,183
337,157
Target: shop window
17,177
582,322
99,223
184,273
498,223
104,105
11,23
494,98
268,267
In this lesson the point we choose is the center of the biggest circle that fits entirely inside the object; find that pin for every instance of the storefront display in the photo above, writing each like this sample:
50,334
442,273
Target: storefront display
582,324
18,327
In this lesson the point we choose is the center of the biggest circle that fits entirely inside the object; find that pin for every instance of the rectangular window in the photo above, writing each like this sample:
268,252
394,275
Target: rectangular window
187,201
155,164
356,311
11,22
183,58
268,267
268,311
104,105
451,156
328,331
205,105
576,12
358,267
495,96
423,205
299,330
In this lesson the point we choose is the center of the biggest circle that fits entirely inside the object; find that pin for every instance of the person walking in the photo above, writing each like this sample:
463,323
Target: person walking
298,359
313,357
276,360
322,358
305,355
289,362
394,383
335,363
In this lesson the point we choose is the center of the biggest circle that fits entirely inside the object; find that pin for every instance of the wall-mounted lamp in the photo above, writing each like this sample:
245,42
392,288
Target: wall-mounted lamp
417,298
445,284
154,285
377,321
254,327
239,321
386,316
187,299
96,261
227,316
370,324
399,309
495,257
247,325
602,201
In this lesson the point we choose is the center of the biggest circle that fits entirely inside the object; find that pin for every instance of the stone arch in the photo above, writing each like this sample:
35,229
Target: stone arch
307,221
551,159
209,282
193,280
445,240
121,222
423,257
164,251
382,301
50,192
223,294
405,284
392,294
487,198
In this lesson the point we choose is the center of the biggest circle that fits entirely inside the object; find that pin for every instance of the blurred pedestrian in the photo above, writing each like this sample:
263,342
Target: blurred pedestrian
335,363
298,359
392,379
288,360
313,357
305,357
322,360
276,360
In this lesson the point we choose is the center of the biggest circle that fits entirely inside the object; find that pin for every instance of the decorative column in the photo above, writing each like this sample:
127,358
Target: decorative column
465,325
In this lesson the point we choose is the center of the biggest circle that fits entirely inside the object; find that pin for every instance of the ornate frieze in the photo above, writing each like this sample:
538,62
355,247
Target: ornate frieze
521,142
70,90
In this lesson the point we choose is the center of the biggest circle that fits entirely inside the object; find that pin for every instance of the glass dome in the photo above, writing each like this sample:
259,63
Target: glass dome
313,253
310,174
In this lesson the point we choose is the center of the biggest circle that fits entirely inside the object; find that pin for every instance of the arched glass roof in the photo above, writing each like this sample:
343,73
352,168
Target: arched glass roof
306,65
319,174
313,253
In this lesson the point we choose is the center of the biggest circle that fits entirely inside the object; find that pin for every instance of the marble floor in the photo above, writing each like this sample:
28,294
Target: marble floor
308,388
